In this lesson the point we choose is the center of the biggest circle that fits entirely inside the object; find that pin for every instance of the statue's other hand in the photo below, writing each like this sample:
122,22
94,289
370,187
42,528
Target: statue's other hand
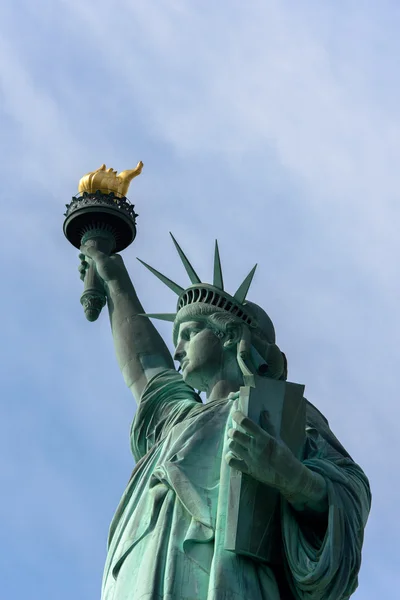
109,268
256,451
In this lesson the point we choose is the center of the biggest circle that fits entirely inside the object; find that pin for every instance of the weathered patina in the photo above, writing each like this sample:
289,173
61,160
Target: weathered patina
171,536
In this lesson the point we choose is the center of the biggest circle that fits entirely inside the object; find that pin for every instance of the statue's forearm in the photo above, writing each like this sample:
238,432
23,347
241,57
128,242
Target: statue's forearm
139,347
310,493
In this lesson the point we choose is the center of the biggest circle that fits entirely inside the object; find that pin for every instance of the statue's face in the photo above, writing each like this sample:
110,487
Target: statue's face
200,352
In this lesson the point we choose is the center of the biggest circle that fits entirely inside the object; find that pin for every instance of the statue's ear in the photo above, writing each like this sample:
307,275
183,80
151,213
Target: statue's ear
233,336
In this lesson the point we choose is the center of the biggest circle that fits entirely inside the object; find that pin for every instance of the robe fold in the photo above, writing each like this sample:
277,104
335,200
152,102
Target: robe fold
166,539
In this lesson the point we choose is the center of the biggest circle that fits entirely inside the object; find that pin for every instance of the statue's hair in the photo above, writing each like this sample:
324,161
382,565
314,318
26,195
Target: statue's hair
216,318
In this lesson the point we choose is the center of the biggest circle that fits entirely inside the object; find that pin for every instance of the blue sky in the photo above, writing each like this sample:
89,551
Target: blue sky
272,126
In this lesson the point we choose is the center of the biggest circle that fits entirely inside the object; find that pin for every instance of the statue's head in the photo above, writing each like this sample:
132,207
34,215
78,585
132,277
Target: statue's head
215,332
209,340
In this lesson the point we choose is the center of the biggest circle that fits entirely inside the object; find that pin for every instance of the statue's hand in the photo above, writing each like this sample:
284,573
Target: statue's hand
257,452
109,268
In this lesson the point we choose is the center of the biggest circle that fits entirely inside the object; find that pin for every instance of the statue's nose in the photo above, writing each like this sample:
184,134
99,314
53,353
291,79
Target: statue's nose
179,353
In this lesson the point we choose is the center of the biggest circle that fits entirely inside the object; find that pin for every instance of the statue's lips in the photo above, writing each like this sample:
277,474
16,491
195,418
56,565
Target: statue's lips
184,364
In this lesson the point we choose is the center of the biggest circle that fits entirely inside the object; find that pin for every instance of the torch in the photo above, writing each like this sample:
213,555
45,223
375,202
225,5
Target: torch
101,215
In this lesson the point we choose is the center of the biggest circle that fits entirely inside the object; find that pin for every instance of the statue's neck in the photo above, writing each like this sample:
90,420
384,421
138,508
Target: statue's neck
222,389
227,378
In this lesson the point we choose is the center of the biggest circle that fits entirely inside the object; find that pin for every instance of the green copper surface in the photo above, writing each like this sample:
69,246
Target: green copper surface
194,278
171,284
248,495
218,280
242,290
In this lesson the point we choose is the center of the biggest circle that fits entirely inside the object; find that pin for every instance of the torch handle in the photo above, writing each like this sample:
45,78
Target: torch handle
94,297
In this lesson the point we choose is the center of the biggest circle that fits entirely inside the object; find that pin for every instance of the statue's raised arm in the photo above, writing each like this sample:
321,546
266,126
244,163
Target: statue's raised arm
101,221
141,351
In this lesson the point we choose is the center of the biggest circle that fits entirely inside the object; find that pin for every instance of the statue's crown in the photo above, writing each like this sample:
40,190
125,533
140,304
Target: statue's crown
205,293
257,343
106,180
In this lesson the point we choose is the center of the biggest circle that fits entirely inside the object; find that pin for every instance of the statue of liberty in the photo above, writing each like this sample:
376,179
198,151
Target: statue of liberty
167,537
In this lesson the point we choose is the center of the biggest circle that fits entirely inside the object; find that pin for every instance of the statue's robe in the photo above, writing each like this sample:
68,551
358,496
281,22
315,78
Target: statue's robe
167,537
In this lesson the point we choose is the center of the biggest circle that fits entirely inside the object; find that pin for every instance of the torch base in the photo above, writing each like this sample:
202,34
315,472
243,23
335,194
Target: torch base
92,303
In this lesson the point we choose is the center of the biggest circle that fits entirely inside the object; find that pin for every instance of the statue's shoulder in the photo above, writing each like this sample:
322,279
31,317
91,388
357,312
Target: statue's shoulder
317,422
315,416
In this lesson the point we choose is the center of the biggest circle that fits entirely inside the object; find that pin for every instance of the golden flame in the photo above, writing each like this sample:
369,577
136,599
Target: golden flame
107,180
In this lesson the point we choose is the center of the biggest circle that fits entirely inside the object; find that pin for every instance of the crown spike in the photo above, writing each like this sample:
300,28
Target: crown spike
240,294
161,316
171,284
194,278
218,279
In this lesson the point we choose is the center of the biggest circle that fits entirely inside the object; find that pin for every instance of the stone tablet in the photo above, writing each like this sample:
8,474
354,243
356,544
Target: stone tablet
253,523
